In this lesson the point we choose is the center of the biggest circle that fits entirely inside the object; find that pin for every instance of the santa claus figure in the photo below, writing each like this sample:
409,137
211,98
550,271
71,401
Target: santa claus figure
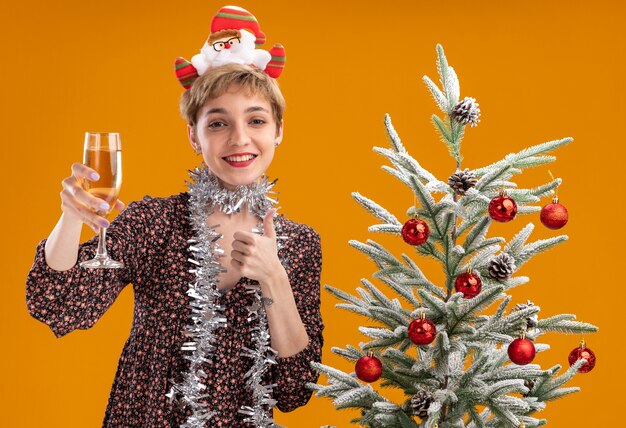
230,46
235,37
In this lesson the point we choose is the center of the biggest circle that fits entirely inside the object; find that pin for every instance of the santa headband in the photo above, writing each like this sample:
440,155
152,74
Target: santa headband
235,37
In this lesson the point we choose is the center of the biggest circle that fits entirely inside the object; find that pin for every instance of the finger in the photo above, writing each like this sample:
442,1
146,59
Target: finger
80,170
245,237
86,198
88,217
241,247
237,255
268,224
75,189
237,265
119,205
70,184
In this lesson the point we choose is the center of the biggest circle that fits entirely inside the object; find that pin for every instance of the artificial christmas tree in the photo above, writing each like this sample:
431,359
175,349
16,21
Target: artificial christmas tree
457,372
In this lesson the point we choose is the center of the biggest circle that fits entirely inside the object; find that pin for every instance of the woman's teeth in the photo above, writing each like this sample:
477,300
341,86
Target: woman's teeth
239,158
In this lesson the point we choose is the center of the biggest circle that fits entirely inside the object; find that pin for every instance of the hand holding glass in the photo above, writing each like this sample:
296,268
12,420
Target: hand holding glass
103,153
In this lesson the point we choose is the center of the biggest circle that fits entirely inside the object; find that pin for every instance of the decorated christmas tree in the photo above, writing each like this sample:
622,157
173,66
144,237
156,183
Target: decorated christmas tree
461,351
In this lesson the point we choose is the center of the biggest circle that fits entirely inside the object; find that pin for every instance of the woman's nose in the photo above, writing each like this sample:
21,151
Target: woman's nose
239,135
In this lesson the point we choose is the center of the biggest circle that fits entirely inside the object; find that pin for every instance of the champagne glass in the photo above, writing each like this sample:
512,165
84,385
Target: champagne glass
103,152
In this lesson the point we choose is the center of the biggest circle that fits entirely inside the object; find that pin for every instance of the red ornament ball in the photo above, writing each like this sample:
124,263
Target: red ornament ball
583,352
368,368
415,232
422,331
521,351
469,284
554,215
502,208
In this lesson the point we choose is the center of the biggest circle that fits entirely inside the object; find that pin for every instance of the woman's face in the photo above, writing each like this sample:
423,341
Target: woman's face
236,133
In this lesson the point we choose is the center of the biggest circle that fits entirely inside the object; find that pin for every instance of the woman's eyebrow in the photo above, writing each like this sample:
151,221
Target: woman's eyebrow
216,110
256,108
220,110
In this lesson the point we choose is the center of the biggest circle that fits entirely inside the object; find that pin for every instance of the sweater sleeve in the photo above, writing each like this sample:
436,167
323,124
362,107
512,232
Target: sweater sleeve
292,373
76,298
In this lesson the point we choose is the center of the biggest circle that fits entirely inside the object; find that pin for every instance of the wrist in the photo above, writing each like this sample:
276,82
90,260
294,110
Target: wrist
70,218
276,277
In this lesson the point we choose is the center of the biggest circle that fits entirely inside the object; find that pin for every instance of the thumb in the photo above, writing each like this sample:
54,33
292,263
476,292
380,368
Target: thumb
268,224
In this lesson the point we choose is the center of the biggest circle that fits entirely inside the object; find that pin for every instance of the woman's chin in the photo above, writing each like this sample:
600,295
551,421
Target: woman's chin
232,182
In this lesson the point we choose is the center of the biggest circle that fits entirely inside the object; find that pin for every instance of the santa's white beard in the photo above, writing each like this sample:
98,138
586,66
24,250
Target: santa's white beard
237,54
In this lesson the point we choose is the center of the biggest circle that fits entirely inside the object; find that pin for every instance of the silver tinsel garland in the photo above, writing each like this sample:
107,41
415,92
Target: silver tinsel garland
206,192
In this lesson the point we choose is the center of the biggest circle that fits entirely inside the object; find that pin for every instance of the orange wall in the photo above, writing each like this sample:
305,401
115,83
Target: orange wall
540,70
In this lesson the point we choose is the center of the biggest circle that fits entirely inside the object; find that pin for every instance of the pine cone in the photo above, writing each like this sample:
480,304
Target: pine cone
461,181
420,403
501,266
466,111
531,321
528,383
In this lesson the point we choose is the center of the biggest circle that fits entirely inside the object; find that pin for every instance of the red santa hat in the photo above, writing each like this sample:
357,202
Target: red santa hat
237,18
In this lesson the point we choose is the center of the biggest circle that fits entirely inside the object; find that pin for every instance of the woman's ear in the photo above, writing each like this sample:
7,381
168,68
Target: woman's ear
193,139
279,134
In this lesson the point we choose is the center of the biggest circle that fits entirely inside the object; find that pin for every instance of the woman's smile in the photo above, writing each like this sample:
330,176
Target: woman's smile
240,160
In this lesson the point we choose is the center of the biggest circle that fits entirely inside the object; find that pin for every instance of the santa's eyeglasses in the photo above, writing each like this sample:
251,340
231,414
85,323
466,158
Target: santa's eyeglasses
218,46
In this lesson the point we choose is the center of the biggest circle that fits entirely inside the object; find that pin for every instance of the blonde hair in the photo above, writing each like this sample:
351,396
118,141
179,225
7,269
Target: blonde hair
217,81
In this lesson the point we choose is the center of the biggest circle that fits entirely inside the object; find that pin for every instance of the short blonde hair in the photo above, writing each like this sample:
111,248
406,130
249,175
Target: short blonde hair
216,81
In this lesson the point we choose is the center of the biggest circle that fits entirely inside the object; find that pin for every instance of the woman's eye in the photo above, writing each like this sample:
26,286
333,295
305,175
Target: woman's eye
258,121
216,124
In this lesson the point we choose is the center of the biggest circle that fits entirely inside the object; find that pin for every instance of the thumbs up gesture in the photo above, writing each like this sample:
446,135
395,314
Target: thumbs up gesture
268,224
255,256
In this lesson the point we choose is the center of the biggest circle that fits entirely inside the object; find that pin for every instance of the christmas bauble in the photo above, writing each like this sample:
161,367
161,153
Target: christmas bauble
469,284
502,208
583,352
554,215
415,231
422,331
368,368
521,351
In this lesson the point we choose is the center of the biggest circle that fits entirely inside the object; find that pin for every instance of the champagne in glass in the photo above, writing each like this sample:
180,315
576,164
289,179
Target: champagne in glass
103,153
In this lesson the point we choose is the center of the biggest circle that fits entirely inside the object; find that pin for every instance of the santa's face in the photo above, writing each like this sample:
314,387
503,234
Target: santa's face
226,43
235,48
236,133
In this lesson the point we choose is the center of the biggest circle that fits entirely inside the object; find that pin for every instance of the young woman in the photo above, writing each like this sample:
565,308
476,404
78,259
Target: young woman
208,286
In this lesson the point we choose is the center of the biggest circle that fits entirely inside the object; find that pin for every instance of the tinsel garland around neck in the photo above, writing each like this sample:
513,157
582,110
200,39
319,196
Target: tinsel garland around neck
206,192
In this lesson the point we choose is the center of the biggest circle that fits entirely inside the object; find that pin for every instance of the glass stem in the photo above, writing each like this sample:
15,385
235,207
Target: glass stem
102,248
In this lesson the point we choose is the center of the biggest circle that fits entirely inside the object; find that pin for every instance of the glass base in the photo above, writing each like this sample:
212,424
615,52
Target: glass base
102,263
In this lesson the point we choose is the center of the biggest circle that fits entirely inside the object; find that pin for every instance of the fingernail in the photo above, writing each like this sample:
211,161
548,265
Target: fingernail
103,223
95,229
94,176
104,206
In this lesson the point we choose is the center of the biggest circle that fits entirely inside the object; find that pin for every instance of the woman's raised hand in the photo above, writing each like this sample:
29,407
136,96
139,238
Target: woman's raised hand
254,256
80,204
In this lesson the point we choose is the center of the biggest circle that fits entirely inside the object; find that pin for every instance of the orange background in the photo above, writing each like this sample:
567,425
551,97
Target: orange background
540,70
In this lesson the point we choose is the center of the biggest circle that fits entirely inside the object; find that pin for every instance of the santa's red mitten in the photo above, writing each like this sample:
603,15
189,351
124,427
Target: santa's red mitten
277,63
185,72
